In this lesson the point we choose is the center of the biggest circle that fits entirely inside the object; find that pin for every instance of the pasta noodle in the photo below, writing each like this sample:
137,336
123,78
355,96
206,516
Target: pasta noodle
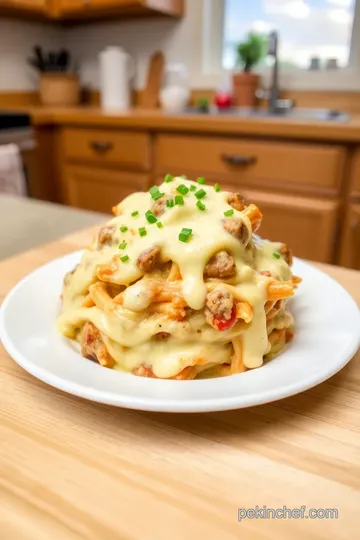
178,286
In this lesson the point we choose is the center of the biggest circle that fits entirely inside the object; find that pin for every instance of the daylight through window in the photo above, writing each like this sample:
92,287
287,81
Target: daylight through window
314,34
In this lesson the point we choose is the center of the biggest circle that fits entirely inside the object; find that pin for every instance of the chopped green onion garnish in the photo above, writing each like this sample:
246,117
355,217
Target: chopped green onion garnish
276,255
193,188
200,194
229,213
169,178
179,199
159,225
155,193
217,188
123,245
185,234
142,231
123,228
183,176
201,206
125,258
150,217
201,180
170,203
134,214
182,189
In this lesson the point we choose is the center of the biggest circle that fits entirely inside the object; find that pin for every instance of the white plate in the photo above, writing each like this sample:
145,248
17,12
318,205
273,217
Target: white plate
327,336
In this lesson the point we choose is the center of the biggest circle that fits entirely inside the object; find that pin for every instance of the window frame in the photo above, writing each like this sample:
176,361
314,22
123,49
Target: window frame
344,79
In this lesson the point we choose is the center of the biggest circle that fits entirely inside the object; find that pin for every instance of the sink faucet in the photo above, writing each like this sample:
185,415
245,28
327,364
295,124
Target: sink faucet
274,89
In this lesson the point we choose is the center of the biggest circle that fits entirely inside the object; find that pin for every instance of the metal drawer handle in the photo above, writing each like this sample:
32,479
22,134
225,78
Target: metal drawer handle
101,146
239,160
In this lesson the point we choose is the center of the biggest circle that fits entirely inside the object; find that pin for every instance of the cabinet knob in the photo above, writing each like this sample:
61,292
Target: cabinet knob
239,160
101,146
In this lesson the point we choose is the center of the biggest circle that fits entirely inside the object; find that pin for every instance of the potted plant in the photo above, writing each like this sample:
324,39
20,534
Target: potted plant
249,53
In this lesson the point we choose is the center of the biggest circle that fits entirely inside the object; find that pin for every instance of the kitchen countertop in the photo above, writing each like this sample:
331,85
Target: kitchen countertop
73,469
159,121
26,223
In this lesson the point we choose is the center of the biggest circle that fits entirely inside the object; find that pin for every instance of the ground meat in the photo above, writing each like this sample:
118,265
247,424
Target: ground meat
219,304
161,336
158,208
236,228
236,201
221,265
106,235
286,252
149,259
93,347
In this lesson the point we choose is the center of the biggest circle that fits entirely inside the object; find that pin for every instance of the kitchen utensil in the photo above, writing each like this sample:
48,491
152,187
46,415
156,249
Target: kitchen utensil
34,62
150,96
116,70
39,55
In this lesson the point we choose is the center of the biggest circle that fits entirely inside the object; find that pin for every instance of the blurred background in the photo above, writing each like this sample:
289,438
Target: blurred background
99,98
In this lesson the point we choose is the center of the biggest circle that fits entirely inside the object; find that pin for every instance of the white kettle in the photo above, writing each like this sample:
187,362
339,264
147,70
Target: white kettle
116,71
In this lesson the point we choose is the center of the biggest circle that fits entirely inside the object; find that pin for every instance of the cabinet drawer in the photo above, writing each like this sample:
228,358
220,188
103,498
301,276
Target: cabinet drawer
306,224
130,150
350,242
290,166
100,189
355,175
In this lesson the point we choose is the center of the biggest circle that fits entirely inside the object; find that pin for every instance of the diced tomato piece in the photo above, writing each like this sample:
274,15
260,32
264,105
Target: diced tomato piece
222,324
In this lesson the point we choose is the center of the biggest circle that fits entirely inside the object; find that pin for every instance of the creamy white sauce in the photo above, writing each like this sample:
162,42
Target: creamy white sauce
128,329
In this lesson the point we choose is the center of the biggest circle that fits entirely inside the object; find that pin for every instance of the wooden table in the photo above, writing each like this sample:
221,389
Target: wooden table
73,469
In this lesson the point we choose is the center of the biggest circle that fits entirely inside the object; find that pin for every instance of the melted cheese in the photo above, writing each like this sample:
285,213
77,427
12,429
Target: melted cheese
128,329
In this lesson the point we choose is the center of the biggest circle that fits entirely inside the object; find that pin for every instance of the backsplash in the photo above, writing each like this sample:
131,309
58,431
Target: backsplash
16,40
140,38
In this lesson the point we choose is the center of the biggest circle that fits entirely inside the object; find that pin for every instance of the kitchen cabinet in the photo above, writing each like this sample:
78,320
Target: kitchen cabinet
64,7
100,189
86,9
350,245
298,185
355,175
307,225
108,148
37,6
287,166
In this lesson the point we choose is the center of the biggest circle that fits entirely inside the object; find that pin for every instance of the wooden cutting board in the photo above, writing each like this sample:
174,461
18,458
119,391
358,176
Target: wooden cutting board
76,470
150,95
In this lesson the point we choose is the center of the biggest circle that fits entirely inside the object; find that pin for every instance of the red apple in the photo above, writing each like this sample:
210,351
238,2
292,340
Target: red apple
223,100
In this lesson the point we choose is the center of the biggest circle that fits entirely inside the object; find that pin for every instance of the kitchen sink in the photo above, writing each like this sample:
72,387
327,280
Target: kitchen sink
323,115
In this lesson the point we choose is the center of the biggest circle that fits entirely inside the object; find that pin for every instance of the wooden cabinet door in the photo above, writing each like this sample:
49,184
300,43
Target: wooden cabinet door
307,225
350,244
355,174
100,189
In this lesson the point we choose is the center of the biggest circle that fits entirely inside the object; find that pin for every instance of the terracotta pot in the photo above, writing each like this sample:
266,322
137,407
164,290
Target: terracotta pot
245,86
59,89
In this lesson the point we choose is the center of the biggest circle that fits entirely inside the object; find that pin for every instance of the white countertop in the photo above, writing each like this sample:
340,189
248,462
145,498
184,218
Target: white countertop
26,223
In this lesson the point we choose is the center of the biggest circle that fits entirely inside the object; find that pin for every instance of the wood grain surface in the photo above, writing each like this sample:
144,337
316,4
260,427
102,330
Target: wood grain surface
72,469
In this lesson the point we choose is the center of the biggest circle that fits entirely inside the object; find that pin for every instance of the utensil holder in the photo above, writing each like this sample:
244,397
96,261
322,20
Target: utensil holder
59,89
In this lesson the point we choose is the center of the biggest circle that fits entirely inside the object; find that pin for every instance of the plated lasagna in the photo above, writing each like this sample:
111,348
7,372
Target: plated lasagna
179,286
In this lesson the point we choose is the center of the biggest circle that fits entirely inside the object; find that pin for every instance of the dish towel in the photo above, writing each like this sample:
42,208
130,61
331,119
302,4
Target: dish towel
12,177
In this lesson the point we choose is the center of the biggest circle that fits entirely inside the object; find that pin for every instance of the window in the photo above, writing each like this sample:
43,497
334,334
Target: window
316,33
